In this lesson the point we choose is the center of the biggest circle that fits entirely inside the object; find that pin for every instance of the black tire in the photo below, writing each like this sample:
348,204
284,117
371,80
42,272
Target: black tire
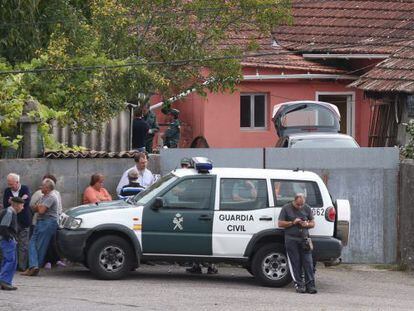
270,266
110,257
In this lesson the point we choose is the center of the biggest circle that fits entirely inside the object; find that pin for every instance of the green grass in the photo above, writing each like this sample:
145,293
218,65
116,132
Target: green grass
391,267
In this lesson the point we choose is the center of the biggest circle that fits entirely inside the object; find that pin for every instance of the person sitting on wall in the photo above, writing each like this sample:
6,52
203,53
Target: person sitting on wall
95,192
145,176
133,187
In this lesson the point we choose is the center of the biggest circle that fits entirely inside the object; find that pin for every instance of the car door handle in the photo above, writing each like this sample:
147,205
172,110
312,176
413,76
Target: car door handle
205,217
266,218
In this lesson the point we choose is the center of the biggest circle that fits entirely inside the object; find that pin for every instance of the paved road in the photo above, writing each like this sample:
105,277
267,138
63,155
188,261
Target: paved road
170,288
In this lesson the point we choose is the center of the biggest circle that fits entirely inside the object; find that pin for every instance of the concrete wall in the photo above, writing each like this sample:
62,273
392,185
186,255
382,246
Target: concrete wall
253,158
367,177
73,175
406,213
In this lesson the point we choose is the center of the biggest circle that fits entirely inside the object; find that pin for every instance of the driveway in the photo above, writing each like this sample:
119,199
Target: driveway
346,287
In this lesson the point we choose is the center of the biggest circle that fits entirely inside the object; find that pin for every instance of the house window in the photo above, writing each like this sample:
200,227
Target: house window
253,111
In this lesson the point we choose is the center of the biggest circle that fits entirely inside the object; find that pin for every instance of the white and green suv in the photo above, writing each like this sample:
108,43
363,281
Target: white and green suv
204,214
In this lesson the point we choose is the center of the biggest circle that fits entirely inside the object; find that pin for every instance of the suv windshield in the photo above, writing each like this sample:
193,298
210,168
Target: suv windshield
152,191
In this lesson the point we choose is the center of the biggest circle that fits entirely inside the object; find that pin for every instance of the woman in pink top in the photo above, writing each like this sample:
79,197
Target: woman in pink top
96,192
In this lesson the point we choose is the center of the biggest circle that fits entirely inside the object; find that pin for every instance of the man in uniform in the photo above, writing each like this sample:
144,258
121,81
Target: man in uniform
297,218
151,120
172,135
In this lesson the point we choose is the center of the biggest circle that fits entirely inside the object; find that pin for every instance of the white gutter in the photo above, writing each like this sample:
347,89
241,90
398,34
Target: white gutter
346,56
307,76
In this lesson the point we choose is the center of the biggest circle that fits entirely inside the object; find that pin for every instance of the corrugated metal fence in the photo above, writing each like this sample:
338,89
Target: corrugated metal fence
113,137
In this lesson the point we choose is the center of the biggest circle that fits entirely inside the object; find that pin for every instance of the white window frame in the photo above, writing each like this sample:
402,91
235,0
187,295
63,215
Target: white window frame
350,109
252,106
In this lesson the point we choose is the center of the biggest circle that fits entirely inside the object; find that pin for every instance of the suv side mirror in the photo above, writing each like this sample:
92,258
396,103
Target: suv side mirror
158,203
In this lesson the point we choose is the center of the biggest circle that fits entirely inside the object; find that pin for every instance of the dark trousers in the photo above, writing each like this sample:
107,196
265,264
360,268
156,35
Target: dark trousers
299,260
148,143
52,254
23,247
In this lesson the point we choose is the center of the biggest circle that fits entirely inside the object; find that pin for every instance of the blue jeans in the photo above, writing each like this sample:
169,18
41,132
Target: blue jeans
9,263
42,234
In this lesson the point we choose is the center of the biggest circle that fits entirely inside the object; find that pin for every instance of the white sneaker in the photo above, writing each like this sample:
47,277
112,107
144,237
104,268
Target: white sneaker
60,263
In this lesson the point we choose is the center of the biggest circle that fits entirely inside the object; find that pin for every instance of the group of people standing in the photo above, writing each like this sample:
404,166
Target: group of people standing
145,125
28,225
28,222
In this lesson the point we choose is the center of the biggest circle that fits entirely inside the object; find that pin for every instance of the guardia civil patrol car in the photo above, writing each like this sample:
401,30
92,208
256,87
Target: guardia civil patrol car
204,214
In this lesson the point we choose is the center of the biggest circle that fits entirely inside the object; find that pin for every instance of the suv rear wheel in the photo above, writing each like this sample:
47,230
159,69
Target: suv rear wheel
270,266
110,257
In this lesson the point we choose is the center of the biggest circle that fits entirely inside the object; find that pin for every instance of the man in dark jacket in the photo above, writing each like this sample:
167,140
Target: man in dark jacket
24,219
8,233
140,130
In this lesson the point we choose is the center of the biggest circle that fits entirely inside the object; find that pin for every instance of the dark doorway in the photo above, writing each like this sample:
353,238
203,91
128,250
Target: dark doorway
344,104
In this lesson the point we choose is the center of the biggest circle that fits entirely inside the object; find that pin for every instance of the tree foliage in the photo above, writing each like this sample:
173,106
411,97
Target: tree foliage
407,151
102,53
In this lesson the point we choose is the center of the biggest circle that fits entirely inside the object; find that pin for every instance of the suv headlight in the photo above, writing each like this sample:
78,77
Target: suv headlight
69,222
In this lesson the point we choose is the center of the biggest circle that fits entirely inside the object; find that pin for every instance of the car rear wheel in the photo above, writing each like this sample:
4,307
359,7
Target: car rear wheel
270,266
110,257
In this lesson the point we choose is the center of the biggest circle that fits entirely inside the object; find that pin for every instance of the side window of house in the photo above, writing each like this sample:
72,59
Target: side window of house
253,111
243,194
284,191
189,194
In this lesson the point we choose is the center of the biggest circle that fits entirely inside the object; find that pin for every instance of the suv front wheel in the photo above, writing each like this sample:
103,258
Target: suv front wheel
110,257
270,266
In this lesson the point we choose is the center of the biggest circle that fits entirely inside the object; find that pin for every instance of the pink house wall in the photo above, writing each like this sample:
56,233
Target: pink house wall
217,116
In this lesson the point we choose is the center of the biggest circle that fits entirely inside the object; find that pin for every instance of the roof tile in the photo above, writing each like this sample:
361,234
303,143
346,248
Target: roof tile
348,26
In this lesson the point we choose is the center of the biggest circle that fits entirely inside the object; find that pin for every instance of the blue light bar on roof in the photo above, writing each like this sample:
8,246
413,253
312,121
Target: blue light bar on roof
202,164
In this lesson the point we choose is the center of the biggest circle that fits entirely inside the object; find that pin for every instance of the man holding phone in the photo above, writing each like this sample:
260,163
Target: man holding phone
297,218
